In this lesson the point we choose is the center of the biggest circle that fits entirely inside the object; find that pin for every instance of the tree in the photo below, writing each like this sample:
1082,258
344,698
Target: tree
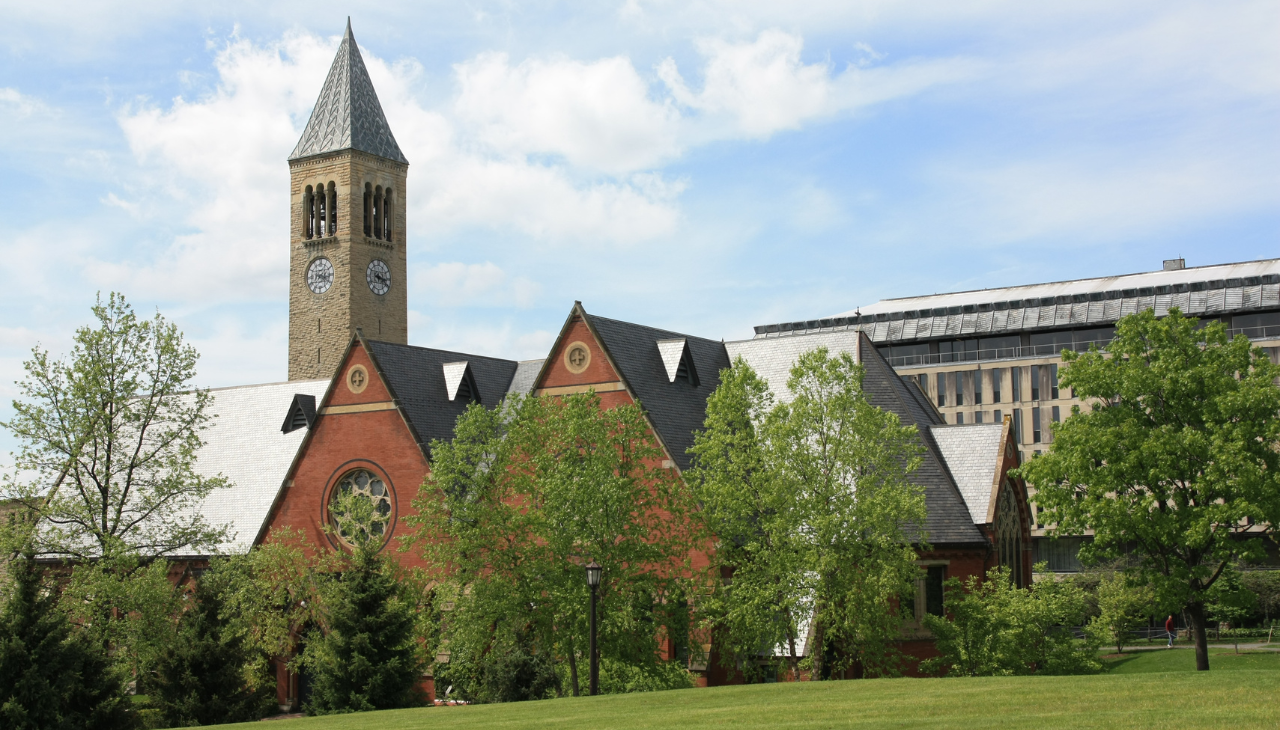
993,628
365,653
816,515
1265,584
1174,461
50,677
1122,607
199,676
521,499
109,438
1230,603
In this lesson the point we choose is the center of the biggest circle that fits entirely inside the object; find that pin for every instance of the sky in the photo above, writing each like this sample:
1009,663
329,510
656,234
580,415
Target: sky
700,166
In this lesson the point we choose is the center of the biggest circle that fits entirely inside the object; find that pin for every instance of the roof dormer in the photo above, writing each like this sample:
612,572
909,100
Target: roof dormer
302,413
677,358
460,382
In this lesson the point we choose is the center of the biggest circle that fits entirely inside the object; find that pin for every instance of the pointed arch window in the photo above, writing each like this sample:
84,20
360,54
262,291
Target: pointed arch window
386,215
332,229
1008,537
308,230
368,209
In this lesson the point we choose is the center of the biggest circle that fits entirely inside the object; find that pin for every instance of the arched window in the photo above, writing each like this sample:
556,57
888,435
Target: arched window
377,212
368,209
386,215
322,212
333,209
1009,533
307,231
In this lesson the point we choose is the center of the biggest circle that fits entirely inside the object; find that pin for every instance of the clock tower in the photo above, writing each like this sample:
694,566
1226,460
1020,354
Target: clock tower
347,264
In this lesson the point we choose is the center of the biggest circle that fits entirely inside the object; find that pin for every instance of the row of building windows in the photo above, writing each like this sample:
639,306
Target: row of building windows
1036,434
969,387
320,211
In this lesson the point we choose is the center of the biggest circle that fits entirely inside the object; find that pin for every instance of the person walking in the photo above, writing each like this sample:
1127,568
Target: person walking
1169,629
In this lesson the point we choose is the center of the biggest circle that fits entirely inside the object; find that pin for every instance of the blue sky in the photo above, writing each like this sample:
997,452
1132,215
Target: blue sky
700,166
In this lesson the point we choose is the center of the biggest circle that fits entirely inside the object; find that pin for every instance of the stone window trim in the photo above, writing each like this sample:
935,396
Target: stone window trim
356,378
335,480
577,357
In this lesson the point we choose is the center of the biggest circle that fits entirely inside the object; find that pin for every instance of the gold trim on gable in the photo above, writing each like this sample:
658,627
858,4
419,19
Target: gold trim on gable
571,389
385,405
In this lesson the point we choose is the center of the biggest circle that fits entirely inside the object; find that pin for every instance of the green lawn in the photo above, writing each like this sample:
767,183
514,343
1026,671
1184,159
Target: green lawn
1184,660
1237,697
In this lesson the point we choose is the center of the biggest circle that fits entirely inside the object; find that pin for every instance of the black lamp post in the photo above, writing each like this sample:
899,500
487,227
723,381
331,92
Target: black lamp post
593,580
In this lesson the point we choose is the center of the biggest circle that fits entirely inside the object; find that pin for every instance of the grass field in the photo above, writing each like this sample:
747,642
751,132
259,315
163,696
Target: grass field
1151,689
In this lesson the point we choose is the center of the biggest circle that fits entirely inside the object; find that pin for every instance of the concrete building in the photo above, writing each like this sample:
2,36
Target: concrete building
986,355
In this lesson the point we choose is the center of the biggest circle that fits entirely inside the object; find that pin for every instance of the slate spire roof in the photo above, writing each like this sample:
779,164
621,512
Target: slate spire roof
347,115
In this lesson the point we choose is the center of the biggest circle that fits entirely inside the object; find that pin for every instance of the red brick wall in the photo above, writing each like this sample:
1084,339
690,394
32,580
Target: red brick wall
378,440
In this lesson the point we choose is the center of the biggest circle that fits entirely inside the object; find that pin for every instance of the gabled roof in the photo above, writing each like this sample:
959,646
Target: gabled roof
245,445
676,409
949,520
416,377
347,115
973,454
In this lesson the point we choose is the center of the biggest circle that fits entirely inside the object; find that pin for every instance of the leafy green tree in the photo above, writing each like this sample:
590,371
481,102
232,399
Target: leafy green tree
199,676
1265,584
521,499
1122,607
50,677
365,654
1173,461
1230,603
816,516
992,628
108,438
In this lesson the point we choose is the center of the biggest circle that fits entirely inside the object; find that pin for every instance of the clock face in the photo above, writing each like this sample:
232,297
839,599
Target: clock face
320,275
379,277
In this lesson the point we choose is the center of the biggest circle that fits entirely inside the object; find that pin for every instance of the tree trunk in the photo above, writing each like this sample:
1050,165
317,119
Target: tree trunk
1195,617
573,669
815,651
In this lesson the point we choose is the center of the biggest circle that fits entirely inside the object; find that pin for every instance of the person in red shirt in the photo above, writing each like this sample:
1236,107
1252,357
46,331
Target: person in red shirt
1169,629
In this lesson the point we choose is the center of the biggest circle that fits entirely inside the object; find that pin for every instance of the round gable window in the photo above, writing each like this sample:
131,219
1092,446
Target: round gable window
577,357
357,378
360,508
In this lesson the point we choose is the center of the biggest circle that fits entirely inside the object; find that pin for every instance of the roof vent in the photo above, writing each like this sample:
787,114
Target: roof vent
460,383
677,359
302,413
1175,264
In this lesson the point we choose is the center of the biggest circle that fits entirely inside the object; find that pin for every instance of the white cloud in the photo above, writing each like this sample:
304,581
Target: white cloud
457,284
597,115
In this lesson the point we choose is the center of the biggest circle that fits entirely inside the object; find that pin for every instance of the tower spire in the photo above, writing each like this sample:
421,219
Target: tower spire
348,115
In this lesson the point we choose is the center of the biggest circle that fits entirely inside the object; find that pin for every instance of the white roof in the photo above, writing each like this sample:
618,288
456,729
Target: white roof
1075,286
972,453
773,358
526,372
245,445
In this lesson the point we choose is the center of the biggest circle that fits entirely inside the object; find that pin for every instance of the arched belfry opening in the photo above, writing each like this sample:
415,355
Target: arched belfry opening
345,275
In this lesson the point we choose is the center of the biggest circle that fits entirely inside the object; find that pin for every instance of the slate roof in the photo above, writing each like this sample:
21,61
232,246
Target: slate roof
416,378
245,445
347,115
1204,290
526,373
678,408
949,520
972,454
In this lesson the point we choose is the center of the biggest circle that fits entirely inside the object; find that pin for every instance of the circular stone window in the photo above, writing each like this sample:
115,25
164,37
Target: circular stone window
577,357
360,507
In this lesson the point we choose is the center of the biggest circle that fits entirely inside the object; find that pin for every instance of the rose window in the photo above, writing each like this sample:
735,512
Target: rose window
360,507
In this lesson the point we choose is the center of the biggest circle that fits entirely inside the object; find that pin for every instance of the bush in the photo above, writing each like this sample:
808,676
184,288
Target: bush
51,677
619,678
993,628
200,676
365,656
508,670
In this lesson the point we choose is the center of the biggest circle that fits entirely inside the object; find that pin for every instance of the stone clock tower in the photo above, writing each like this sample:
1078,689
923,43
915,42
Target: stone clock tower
347,223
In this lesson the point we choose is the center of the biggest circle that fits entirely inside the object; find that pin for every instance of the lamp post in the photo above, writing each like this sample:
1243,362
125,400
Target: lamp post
593,580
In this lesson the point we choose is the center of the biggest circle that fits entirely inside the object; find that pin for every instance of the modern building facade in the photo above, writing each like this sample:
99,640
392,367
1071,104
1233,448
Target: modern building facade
993,354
